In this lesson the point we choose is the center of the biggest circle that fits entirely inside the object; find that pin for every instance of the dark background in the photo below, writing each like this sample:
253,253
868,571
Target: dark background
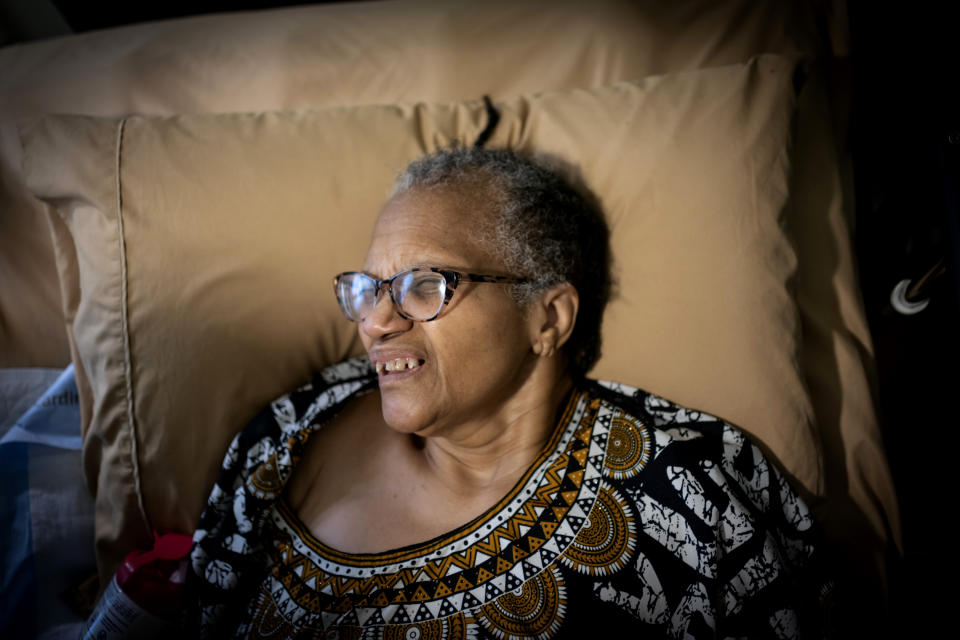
904,138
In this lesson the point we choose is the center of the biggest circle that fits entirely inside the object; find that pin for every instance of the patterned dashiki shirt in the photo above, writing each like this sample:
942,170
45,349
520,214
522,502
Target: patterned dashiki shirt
639,518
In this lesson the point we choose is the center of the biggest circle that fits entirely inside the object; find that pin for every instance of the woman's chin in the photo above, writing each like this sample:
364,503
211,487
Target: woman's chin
401,417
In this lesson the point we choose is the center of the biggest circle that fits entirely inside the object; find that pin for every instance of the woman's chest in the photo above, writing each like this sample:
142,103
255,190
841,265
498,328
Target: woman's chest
371,495
379,504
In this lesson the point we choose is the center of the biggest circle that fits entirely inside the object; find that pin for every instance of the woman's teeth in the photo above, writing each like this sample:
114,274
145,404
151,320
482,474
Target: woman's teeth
398,364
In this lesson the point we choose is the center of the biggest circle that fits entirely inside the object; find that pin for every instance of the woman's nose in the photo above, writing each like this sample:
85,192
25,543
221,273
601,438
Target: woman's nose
384,319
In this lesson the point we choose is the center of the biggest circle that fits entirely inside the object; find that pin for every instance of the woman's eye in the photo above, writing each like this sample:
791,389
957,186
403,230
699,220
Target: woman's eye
423,289
363,290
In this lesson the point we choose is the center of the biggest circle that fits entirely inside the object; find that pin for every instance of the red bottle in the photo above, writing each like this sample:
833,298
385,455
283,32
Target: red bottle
143,598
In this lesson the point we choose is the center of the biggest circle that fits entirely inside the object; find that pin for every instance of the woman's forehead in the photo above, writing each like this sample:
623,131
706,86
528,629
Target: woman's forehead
430,227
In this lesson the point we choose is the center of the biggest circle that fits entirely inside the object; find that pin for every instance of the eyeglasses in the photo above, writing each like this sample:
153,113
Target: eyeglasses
418,294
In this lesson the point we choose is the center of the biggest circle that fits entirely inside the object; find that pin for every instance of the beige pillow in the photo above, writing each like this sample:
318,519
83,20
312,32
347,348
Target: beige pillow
205,246
337,54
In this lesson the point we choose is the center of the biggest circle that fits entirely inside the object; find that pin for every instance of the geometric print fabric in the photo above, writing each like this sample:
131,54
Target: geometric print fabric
637,512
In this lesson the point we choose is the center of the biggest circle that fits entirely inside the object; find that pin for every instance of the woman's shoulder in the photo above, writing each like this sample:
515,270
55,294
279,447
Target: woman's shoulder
255,472
293,416
691,436
709,502
704,471
260,460
326,393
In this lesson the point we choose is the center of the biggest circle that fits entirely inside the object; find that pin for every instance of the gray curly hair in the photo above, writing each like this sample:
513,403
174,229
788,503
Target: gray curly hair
548,229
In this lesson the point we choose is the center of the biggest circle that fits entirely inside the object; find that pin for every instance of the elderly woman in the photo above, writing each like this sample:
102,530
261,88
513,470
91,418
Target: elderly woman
466,479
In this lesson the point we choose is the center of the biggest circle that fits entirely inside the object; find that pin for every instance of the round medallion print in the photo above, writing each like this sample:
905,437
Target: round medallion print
628,448
606,541
535,610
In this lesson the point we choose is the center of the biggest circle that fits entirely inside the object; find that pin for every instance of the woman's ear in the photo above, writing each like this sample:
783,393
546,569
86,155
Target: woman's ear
552,318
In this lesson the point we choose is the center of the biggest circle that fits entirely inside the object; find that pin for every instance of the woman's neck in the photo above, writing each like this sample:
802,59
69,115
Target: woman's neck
492,453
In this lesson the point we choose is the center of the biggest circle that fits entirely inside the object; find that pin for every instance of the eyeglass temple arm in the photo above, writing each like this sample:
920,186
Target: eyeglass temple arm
478,277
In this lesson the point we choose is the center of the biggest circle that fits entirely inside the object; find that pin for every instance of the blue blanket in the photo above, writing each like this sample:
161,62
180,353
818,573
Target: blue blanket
46,540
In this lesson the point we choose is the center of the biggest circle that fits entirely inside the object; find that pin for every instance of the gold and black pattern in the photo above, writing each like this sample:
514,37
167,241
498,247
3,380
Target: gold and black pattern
563,533
536,610
266,479
628,447
451,628
344,633
606,542
267,621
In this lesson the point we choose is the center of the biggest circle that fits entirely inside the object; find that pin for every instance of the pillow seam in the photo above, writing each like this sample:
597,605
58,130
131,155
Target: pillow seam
125,333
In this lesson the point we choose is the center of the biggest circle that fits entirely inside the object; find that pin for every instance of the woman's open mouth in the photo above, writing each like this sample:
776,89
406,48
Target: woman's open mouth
398,365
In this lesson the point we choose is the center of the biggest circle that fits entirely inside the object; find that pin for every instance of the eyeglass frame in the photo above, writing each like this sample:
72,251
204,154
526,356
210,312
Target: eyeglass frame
451,277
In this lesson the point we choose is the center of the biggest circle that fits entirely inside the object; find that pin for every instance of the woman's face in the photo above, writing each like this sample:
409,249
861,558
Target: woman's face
472,360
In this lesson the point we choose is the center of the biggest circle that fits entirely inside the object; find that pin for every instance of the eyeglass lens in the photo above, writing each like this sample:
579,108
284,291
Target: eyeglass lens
418,294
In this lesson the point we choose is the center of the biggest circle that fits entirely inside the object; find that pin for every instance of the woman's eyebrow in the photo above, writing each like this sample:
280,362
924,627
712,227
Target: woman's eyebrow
438,264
